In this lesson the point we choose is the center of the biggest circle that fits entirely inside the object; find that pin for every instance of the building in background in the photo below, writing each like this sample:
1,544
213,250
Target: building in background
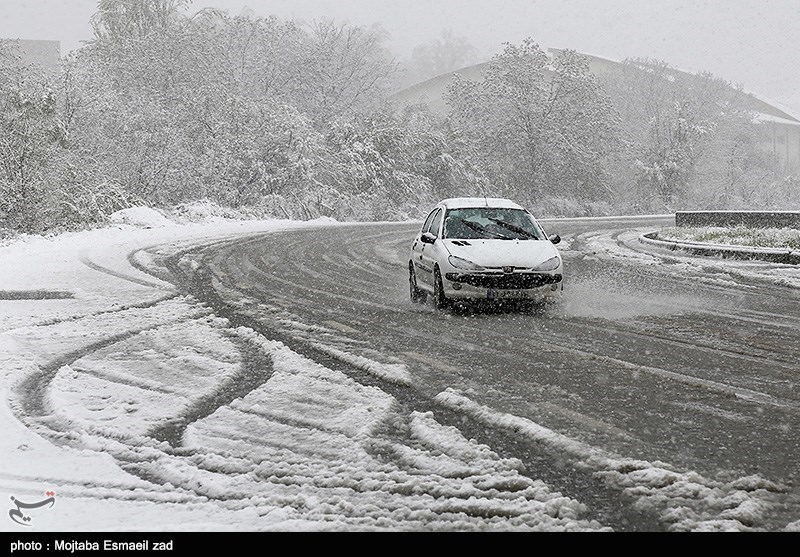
781,127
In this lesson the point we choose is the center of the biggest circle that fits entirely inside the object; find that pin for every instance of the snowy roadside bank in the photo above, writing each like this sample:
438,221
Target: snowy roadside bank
773,255
708,263
777,245
62,295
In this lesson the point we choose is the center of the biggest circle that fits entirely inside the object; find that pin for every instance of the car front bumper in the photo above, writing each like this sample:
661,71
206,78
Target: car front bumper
506,286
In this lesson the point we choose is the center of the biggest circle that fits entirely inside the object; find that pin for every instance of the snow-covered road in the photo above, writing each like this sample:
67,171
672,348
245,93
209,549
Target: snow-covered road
104,366
91,373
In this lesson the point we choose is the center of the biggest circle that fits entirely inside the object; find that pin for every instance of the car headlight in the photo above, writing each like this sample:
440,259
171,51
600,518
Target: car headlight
549,265
463,264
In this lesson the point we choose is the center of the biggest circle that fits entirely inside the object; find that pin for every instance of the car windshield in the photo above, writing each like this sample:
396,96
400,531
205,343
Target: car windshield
502,223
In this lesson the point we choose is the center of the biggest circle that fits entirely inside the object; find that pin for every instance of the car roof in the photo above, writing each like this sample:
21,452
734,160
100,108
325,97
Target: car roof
464,202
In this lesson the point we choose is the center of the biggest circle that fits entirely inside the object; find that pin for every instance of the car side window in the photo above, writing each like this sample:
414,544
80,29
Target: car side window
436,224
427,226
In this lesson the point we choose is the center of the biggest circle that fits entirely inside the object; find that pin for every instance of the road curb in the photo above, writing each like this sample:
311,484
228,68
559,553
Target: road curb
772,255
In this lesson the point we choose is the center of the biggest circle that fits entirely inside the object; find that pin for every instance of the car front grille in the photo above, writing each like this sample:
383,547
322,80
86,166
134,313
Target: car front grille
506,281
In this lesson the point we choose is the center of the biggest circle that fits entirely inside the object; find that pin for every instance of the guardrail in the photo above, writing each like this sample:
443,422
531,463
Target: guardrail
773,255
750,219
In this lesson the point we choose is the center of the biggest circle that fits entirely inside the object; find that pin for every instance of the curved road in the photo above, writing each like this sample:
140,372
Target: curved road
650,361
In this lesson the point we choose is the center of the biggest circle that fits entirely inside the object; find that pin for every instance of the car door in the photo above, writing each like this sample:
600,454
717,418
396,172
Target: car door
416,250
430,249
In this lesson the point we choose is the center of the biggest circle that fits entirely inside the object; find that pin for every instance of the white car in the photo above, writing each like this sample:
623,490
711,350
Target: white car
484,249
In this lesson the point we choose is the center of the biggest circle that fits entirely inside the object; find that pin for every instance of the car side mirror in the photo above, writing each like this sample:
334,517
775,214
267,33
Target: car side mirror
427,238
555,238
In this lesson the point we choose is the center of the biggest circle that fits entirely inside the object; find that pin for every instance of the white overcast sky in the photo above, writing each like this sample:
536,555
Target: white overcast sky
753,43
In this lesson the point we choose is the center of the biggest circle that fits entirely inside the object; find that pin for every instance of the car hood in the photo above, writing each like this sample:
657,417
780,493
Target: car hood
502,253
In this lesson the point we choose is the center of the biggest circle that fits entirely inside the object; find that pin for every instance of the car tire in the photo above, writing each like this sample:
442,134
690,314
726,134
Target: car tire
439,298
417,295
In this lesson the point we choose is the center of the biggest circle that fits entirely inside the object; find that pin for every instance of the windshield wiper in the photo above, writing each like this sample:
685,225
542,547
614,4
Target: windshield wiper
478,228
513,228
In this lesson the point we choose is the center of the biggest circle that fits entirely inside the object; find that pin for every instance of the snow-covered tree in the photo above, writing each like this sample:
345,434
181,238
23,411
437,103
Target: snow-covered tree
540,126
123,20
163,108
690,139
390,167
672,151
347,71
446,53
30,134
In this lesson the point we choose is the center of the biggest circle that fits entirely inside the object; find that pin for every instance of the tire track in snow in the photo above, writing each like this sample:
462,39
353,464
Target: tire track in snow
31,390
111,272
257,369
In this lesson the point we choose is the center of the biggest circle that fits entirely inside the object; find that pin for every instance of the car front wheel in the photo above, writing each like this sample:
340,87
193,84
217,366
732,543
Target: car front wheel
418,296
439,299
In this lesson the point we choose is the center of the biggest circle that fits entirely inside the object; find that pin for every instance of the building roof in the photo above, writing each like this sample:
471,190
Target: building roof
432,92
